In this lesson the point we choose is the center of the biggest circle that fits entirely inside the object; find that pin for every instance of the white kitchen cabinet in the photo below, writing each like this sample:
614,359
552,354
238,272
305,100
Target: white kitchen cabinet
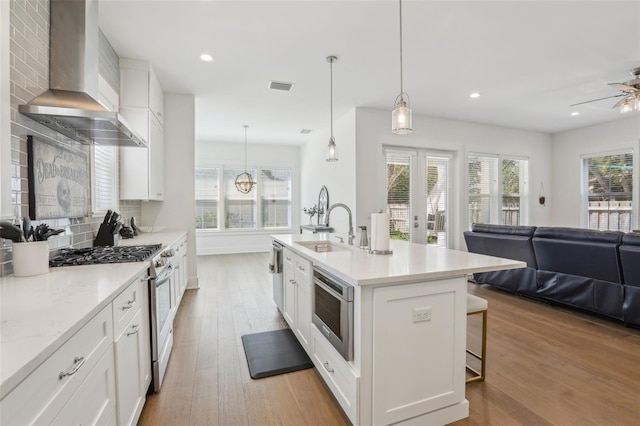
297,276
142,105
50,393
131,356
180,278
129,364
336,372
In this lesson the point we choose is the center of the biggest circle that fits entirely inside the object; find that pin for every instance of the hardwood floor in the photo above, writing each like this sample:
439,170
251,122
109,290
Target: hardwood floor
545,365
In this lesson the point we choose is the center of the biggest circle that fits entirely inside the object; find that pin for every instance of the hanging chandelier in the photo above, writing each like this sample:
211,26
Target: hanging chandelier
244,181
332,149
401,115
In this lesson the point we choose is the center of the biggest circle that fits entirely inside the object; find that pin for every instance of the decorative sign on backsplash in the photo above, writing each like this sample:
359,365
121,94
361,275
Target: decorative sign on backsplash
58,180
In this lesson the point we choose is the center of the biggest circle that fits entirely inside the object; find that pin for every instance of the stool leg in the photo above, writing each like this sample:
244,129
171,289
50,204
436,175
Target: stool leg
484,344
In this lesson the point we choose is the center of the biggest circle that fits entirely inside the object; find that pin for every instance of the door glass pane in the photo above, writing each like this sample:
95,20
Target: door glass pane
437,172
398,186
514,191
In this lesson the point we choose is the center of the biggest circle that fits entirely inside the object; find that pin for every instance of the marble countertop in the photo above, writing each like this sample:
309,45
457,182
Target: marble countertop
409,262
38,314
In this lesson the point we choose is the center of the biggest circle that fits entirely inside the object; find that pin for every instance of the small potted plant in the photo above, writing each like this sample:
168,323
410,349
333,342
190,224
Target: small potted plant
311,211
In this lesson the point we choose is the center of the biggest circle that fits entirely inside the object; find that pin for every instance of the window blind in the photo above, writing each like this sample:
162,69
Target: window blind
276,198
609,185
105,179
436,186
207,195
483,188
398,186
239,209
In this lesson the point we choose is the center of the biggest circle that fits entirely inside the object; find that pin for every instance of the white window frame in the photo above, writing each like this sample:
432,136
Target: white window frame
584,193
496,194
258,229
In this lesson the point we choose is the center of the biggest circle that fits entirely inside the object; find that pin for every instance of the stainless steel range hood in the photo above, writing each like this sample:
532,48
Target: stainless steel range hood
70,106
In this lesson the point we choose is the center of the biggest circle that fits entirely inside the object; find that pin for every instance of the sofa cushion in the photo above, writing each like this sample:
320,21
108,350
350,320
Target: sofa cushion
580,252
525,231
630,259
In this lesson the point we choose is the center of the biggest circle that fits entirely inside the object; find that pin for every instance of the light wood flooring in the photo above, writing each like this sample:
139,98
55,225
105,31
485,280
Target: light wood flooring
546,365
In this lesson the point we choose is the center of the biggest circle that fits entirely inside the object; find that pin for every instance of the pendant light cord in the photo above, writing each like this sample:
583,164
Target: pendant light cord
245,148
331,93
401,85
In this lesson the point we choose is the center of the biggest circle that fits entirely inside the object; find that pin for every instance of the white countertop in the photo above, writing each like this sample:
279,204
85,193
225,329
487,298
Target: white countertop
409,262
38,314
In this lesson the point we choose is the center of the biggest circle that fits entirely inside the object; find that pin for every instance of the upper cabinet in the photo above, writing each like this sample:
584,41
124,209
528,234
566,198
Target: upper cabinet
142,105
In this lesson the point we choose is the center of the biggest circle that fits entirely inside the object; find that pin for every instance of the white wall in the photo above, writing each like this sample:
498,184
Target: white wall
216,154
565,193
5,111
177,211
373,131
339,177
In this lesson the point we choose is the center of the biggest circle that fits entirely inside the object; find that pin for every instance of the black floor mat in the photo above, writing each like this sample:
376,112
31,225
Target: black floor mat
274,352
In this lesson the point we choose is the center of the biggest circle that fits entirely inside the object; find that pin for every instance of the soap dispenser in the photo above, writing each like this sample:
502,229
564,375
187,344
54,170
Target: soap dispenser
364,239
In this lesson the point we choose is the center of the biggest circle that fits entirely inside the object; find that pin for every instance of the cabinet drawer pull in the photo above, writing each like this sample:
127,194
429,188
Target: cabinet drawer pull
326,367
134,329
129,305
79,361
300,268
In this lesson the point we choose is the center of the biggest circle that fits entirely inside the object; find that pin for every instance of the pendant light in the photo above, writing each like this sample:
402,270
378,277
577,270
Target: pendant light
244,181
332,149
401,115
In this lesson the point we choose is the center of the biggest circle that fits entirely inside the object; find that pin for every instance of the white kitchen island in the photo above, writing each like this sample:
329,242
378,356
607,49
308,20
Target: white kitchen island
403,371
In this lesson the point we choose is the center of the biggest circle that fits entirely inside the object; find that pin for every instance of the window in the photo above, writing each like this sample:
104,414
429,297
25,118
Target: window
609,185
267,206
207,194
276,198
497,195
239,209
105,179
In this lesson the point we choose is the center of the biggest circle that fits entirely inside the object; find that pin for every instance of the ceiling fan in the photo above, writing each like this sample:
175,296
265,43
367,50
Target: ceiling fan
630,90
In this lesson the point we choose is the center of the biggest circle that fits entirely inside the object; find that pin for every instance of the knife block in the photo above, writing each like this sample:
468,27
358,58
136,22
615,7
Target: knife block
105,236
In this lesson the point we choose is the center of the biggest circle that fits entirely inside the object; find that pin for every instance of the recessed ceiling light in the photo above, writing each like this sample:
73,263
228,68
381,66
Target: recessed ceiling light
474,95
206,57
574,113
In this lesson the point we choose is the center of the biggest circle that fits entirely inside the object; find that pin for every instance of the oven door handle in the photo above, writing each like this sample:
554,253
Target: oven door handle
166,277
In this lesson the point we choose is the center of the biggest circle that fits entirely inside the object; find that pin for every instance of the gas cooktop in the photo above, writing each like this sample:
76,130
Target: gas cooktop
100,255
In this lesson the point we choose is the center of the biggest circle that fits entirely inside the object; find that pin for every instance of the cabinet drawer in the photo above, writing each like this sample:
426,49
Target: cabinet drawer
126,305
304,269
95,400
336,373
41,396
288,258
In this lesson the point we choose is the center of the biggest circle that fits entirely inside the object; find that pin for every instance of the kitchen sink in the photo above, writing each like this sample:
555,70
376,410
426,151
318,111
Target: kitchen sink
321,246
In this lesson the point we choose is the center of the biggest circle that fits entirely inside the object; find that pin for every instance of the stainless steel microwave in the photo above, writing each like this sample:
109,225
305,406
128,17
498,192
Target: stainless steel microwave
333,310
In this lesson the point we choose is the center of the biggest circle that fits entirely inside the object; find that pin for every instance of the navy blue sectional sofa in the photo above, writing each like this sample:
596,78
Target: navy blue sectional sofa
596,271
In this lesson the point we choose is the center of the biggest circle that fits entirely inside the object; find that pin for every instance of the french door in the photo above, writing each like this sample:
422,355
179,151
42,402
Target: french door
418,195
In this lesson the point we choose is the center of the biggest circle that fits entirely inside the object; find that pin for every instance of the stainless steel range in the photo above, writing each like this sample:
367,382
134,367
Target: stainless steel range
160,275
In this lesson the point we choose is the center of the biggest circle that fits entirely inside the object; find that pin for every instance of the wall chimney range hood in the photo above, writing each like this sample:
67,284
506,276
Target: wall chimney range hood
70,107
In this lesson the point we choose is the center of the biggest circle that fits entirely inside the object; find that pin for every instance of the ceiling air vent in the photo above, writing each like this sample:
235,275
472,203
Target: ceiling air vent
305,131
279,85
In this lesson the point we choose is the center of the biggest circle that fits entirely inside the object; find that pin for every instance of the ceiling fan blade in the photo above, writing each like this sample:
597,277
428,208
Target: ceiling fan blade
623,87
599,99
620,102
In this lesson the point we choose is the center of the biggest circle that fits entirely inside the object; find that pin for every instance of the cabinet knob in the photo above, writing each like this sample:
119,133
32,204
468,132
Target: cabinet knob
300,268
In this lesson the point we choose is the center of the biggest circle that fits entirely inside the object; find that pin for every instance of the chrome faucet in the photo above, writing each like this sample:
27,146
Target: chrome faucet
351,234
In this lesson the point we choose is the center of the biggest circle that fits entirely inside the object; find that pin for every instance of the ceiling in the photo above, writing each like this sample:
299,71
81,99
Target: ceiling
528,60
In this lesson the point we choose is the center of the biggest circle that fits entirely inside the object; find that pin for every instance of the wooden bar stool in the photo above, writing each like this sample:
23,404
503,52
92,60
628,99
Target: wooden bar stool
478,305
